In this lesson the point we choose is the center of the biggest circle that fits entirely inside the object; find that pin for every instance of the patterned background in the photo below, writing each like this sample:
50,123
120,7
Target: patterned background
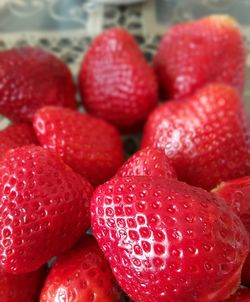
66,27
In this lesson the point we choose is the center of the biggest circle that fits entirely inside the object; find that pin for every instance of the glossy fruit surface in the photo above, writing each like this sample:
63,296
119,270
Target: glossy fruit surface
91,146
236,193
207,136
81,274
116,83
16,135
199,52
44,208
168,241
21,288
30,79
148,162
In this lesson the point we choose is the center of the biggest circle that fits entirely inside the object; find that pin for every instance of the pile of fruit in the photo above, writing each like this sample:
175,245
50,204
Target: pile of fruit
172,223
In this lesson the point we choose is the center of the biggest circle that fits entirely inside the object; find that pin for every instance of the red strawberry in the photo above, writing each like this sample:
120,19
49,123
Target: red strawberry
195,53
148,162
81,274
237,195
16,135
91,146
44,208
32,78
168,241
207,136
115,81
242,295
21,288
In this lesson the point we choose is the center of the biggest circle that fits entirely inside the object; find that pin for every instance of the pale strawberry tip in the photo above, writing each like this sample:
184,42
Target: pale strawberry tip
224,20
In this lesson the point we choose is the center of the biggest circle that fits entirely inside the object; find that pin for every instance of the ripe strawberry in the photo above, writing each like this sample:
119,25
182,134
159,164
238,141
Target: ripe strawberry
207,136
16,135
32,78
44,208
242,295
21,288
115,81
91,146
81,274
196,53
237,195
148,162
168,241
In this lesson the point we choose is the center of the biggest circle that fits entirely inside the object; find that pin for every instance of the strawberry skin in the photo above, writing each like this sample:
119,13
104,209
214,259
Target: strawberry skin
44,208
242,295
91,146
207,136
16,135
236,193
148,162
30,79
21,288
168,241
196,53
81,274
116,83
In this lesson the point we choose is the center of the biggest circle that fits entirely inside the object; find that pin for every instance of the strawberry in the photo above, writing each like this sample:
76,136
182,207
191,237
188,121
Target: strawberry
91,146
81,274
116,83
21,288
148,162
207,136
16,135
196,53
168,241
237,195
242,295
32,78
44,208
